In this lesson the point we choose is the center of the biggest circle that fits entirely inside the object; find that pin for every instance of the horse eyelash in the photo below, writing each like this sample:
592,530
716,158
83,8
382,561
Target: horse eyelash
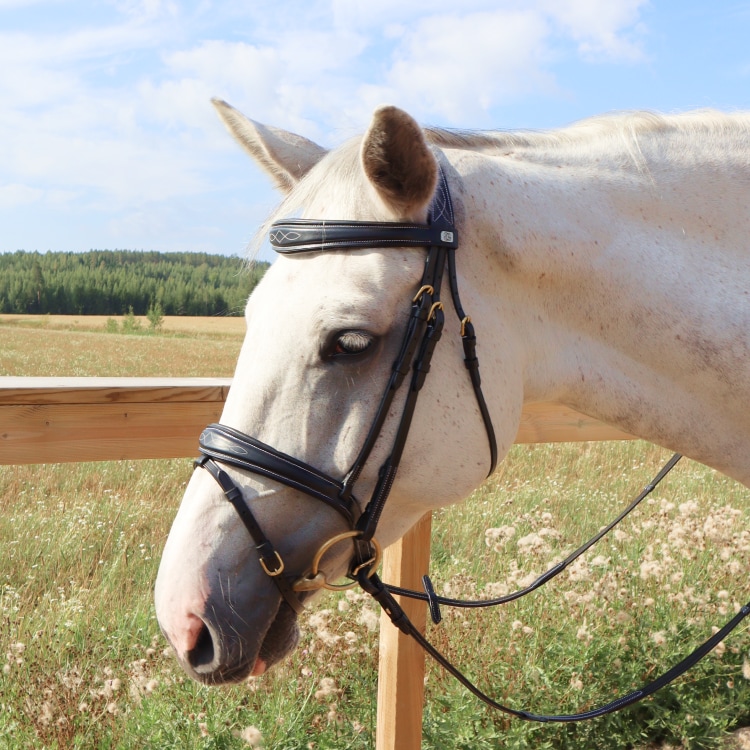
352,343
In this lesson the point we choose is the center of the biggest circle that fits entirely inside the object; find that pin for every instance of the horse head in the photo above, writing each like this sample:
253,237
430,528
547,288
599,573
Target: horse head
323,332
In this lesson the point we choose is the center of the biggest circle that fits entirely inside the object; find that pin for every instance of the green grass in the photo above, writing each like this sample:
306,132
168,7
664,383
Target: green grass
82,663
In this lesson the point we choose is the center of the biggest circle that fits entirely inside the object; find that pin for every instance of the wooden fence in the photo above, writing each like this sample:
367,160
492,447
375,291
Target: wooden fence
51,420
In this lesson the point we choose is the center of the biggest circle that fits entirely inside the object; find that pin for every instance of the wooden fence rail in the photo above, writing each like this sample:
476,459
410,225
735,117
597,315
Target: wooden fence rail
51,420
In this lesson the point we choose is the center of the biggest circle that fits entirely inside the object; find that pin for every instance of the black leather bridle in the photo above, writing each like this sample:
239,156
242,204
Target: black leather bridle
220,444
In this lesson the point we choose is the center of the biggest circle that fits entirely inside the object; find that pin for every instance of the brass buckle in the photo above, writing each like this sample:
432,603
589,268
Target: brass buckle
426,289
316,579
278,570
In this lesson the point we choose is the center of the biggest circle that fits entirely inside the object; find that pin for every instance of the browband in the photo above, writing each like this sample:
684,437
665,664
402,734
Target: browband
305,236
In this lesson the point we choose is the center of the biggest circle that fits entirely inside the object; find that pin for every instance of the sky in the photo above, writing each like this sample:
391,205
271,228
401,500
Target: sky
108,138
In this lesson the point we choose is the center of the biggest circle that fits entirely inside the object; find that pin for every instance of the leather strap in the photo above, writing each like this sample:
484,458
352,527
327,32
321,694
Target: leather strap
244,452
309,236
268,556
375,587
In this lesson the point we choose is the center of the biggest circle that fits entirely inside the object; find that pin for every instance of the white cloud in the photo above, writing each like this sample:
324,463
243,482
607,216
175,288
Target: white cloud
14,195
608,30
115,111
459,67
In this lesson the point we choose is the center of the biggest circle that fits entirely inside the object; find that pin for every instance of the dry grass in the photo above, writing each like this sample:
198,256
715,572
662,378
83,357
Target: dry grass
204,347
232,326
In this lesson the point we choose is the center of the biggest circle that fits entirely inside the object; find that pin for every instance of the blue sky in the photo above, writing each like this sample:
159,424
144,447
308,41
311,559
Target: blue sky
109,140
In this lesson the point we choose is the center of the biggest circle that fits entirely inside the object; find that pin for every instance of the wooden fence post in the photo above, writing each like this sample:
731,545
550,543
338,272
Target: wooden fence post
401,671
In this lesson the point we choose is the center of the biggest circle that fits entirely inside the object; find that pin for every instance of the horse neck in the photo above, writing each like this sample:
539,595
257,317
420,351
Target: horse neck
621,293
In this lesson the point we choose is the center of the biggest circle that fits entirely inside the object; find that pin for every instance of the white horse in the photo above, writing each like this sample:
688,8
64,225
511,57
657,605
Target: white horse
605,267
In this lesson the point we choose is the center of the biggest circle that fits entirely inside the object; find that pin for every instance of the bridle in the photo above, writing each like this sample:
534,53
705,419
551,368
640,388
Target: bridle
220,444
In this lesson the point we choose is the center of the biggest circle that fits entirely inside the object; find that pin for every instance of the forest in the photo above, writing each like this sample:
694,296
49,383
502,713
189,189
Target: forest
115,282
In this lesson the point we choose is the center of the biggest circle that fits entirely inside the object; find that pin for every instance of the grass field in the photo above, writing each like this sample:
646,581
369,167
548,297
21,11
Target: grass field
78,346
84,665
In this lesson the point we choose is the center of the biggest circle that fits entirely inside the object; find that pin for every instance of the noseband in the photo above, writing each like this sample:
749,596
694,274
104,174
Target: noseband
220,444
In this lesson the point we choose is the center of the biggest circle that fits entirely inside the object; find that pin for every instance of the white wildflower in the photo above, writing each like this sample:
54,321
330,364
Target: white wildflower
327,687
369,618
252,736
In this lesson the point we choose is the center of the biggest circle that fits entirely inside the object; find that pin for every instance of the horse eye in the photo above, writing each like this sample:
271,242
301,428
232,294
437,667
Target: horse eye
349,343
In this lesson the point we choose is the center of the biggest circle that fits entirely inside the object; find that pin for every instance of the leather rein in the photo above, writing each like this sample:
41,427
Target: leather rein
219,444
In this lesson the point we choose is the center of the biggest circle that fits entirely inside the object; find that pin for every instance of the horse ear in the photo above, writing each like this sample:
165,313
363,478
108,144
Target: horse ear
399,163
286,157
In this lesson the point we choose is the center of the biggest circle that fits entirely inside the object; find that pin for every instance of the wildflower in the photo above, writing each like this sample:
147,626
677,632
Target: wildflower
531,544
746,669
111,686
495,590
252,736
333,716
46,716
204,729
327,687
583,633
659,638
576,683
497,537
369,618
651,569
579,570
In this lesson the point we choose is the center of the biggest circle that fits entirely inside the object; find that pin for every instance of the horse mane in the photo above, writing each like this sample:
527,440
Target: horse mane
600,127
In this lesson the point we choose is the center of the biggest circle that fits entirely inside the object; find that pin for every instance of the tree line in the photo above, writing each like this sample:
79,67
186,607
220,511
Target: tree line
114,282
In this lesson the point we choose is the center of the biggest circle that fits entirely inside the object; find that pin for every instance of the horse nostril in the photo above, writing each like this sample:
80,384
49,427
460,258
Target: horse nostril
202,653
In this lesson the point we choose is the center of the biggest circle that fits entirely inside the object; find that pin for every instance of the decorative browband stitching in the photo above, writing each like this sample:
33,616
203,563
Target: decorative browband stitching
305,236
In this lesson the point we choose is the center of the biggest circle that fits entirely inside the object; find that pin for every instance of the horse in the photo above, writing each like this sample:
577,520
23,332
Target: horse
604,266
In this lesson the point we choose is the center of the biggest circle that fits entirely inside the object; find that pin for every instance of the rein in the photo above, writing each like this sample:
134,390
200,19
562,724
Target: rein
220,444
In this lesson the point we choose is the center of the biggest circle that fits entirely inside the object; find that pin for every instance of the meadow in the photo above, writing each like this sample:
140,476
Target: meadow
84,664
